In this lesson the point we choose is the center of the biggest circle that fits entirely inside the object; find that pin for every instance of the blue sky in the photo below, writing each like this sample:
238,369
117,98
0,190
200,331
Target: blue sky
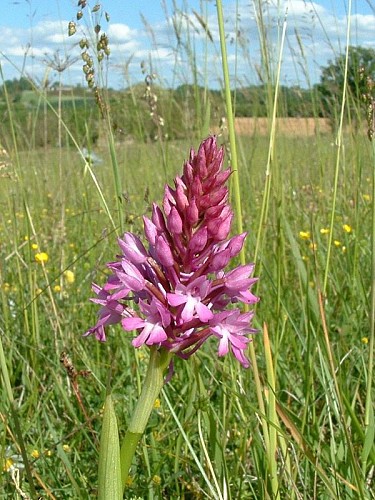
32,32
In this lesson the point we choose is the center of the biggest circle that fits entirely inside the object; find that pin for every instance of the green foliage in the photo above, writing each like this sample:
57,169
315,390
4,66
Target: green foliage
181,111
361,65
38,321
294,102
35,118
16,87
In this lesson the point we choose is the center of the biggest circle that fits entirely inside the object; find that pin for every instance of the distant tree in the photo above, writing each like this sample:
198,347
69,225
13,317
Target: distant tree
361,65
16,86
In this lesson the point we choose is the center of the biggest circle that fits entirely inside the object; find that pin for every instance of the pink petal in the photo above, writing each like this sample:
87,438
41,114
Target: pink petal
204,313
130,324
175,299
163,251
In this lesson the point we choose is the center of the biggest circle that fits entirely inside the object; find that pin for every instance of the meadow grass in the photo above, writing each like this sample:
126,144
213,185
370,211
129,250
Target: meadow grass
298,429
213,400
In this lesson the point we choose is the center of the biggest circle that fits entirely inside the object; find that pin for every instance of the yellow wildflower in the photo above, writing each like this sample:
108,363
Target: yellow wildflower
8,464
347,228
34,246
12,461
35,454
156,479
66,448
337,243
367,197
57,288
129,480
304,235
26,238
41,257
343,248
157,403
48,453
364,340
69,276
324,230
313,246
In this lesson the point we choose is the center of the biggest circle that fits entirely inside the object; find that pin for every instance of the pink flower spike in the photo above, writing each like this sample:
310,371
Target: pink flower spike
178,284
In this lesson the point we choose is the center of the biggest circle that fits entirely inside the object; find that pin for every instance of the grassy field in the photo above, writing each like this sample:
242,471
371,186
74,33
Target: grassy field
213,400
298,424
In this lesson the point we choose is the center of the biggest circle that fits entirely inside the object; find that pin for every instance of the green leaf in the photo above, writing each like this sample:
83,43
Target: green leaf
369,437
109,457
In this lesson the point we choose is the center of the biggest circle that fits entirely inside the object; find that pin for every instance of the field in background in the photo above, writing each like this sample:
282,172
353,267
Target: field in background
291,127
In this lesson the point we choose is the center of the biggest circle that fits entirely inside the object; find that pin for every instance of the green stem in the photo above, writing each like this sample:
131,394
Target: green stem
369,406
154,381
230,120
339,144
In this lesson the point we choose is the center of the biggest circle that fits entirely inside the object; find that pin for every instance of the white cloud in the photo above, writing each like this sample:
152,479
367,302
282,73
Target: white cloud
364,26
320,32
119,33
29,52
47,28
56,38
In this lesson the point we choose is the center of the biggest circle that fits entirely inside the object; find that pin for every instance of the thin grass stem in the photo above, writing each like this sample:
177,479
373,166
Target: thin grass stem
369,405
339,147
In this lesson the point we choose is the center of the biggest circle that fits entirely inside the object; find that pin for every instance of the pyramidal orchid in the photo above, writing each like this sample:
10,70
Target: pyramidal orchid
176,293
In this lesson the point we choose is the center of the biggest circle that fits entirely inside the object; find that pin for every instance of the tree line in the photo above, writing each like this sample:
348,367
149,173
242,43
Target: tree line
145,113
